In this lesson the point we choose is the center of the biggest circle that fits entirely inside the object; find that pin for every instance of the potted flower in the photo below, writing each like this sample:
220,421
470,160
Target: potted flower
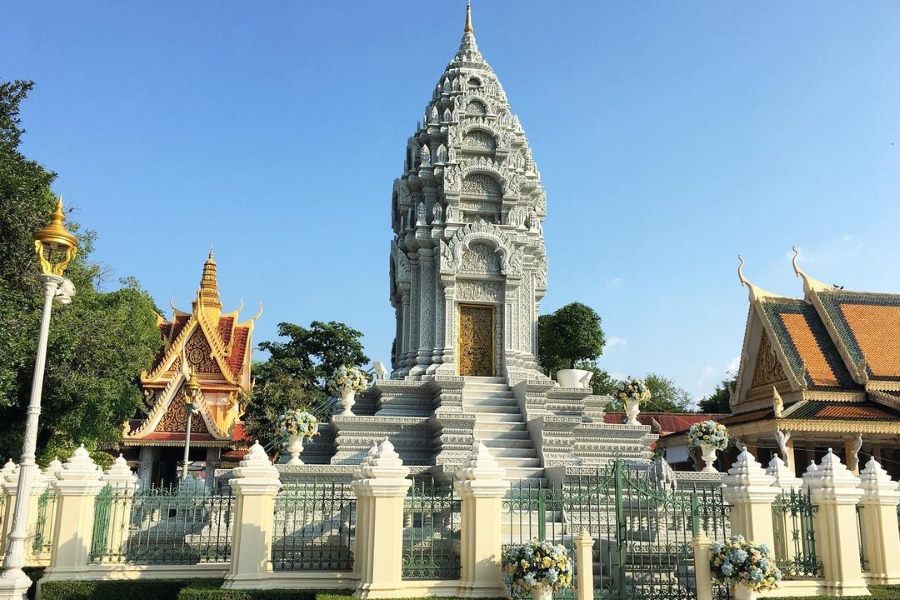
747,568
294,426
709,436
345,382
538,567
631,392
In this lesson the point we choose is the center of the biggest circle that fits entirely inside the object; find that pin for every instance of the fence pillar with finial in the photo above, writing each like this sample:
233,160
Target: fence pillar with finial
751,491
584,565
835,490
256,484
9,481
381,487
481,486
702,570
789,485
881,536
77,484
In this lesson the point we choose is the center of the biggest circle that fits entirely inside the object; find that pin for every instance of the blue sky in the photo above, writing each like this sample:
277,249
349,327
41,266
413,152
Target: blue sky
670,136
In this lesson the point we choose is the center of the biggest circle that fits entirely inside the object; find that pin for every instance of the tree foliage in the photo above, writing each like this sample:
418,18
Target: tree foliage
666,395
294,374
602,383
571,334
720,400
98,344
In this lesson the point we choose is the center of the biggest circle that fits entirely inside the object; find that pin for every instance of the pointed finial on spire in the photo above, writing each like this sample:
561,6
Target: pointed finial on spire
208,294
469,28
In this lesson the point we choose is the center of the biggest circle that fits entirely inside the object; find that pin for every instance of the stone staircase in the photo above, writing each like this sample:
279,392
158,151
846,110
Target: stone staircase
500,425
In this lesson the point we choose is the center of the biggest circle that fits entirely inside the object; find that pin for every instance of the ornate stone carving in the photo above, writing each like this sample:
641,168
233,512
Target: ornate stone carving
768,370
480,183
479,291
479,140
451,178
480,259
175,420
476,341
476,107
199,354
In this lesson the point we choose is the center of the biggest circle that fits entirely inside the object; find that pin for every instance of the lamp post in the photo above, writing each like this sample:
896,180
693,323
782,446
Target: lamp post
190,395
55,247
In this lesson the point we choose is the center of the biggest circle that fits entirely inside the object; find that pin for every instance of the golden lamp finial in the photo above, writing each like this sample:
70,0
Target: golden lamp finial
208,295
54,244
469,28
191,389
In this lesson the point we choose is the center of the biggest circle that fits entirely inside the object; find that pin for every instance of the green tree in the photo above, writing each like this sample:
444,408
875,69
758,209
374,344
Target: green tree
98,344
666,395
571,334
294,375
720,400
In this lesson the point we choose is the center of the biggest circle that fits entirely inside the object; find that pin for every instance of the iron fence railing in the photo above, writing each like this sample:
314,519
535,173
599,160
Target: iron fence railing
431,530
177,525
45,522
314,527
860,537
793,521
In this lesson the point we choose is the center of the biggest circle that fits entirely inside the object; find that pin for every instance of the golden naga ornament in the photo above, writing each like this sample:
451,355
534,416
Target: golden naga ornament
54,244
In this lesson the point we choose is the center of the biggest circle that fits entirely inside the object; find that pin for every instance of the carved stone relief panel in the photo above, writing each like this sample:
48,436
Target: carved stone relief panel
479,140
481,259
479,291
768,370
175,420
199,354
485,185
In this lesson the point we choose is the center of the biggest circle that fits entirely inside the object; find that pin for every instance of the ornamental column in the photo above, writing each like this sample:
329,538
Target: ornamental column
835,490
584,562
751,492
255,484
381,487
481,486
878,521
77,485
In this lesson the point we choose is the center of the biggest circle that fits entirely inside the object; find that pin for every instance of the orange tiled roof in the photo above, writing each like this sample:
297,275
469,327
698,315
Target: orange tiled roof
800,331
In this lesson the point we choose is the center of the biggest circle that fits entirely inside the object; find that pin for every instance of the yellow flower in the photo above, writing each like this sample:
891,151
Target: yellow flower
546,562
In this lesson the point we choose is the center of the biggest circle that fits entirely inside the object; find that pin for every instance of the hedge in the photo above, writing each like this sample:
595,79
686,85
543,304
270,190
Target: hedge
162,589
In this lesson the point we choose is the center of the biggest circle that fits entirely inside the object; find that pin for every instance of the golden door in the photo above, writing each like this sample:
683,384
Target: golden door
476,340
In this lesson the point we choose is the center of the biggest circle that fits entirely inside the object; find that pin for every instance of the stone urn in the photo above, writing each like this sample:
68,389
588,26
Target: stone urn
632,410
708,453
294,447
574,378
742,592
348,399
542,592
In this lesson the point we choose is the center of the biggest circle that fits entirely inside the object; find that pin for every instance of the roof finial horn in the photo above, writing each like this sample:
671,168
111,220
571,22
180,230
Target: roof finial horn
810,284
469,28
756,293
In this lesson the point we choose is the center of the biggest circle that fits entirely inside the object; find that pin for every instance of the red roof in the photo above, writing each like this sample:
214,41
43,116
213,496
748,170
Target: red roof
668,423
239,349
225,326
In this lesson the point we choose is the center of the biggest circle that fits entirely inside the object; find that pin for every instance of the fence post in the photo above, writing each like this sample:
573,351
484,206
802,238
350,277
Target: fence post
77,485
9,476
255,484
381,487
783,524
584,565
879,523
122,483
835,490
751,492
702,571
481,488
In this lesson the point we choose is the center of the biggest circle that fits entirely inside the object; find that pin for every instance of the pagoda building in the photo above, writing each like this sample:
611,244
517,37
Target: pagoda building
818,372
209,348
468,270
468,263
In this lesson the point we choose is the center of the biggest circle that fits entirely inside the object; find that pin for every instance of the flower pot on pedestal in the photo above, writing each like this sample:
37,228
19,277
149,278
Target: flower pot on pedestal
742,592
709,457
348,399
632,410
574,378
294,447
542,592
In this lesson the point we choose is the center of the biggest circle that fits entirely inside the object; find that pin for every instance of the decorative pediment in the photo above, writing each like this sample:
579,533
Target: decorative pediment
767,370
492,237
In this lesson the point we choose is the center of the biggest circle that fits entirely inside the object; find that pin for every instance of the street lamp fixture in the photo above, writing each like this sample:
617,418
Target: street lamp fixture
190,395
55,247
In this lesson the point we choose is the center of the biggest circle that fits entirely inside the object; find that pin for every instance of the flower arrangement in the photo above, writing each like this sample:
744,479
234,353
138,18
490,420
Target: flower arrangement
633,389
741,562
710,433
297,423
538,564
347,377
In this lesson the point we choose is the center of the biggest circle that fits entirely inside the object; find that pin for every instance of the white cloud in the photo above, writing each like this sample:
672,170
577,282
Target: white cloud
615,282
733,366
614,342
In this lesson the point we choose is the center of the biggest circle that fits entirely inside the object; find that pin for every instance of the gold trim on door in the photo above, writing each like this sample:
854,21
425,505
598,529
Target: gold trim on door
476,336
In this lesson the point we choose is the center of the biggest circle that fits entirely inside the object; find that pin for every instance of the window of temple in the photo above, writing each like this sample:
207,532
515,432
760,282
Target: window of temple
474,82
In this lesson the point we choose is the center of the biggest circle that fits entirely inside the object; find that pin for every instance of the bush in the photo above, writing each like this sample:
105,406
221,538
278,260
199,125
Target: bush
162,589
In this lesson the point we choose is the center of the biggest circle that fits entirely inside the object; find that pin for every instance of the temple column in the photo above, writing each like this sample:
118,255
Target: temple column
148,457
448,324
426,309
212,463
405,328
414,294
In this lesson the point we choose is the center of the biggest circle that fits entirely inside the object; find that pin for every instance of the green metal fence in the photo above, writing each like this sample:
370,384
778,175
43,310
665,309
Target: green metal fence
860,533
179,525
45,521
431,530
793,520
314,527
643,529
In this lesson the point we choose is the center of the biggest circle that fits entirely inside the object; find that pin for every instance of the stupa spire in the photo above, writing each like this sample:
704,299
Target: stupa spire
469,28
208,295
